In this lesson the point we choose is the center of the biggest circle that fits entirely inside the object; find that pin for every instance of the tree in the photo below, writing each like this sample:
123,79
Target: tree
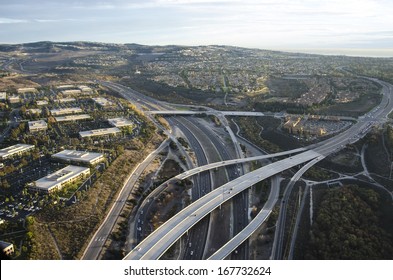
173,145
23,162
29,221
119,149
5,185
29,235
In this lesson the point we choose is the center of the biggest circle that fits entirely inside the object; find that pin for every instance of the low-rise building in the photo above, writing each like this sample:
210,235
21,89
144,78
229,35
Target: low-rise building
42,102
13,99
34,111
57,180
120,122
103,102
99,132
37,125
7,248
309,126
15,150
72,118
66,111
293,124
3,96
79,157
65,87
85,89
26,90
65,100
71,92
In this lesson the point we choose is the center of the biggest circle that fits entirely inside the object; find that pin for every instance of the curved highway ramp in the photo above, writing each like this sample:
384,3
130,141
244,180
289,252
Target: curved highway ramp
156,244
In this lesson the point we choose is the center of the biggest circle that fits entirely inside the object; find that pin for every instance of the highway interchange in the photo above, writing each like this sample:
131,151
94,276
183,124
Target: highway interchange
157,243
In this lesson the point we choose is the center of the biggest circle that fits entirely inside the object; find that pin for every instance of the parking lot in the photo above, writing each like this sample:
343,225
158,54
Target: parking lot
17,201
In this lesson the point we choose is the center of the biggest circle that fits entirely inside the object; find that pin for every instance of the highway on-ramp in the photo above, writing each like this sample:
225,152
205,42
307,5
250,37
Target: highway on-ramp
277,249
93,250
214,165
357,131
160,240
259,219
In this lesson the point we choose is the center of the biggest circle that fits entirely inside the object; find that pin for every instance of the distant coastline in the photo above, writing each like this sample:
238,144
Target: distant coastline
385,53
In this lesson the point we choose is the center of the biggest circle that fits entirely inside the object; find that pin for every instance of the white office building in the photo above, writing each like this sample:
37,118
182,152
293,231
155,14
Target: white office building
34,111
99,132
65,87
65,100
66,111
71,92
57,180
79,157
120,122
15,150
27,90
103,102
13,99
37,125
85,89
71,118
42,102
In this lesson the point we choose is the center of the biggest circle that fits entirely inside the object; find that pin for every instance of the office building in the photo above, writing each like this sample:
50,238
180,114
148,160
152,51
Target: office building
57,180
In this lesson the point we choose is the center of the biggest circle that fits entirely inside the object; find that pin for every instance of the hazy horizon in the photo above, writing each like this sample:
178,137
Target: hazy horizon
376,53
339,27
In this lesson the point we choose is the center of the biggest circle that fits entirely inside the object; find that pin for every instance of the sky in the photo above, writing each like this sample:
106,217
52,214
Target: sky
321,26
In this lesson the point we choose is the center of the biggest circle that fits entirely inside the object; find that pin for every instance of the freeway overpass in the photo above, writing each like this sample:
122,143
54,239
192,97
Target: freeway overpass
209,112
324,148
242,236
153,246
160,240
213,165
280,228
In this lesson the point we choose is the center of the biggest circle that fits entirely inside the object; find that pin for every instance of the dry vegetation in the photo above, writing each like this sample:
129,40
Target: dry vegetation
252,134
16,81
73,226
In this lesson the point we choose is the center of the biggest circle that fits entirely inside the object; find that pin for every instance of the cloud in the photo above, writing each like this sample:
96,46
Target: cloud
11,21
237,22
59,20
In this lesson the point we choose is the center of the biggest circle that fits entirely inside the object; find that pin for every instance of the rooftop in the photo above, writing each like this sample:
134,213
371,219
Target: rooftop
4,244
102,101
85,88
59,177
99,132
34,111
13,98
72,118
65,86
80,156
41,124
65,111
15,149
120,122
71,91
63,100
24,90
42,102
